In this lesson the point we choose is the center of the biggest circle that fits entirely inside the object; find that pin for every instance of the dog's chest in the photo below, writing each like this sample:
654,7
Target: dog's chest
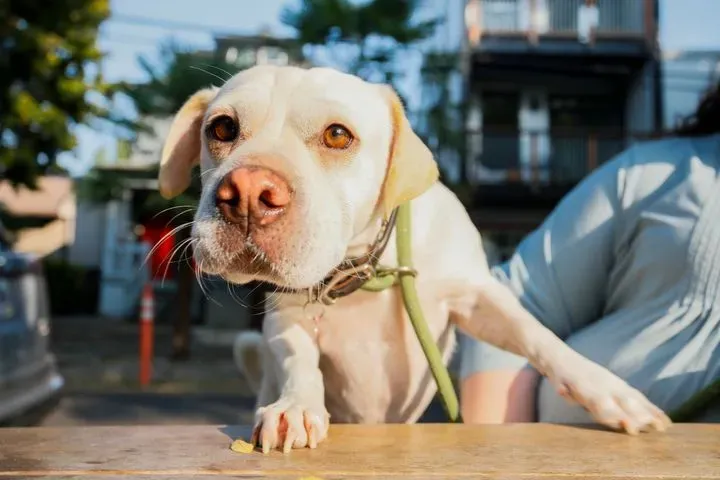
372,363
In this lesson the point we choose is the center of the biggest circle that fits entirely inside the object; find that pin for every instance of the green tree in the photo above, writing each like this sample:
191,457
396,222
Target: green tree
443,127
363,38
50,81
179,73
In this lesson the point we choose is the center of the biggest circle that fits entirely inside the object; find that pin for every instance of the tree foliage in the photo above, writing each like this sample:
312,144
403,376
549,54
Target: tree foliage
171,81
443,115
363,38
50,81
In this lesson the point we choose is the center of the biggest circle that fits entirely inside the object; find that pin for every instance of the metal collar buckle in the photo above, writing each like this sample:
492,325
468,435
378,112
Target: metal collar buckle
322,294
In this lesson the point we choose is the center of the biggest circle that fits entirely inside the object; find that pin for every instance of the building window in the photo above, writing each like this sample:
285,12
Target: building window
246,58
231,55
271,56
243,58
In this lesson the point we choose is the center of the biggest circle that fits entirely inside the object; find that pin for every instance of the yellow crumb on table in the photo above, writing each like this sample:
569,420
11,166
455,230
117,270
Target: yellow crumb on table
241,446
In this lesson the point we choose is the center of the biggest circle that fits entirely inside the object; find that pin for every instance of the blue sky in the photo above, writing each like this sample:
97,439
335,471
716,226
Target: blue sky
684,24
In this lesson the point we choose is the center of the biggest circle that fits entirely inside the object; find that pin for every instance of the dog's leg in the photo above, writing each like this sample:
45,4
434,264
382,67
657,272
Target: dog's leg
269,391
247,353
492,313
298,418
254,360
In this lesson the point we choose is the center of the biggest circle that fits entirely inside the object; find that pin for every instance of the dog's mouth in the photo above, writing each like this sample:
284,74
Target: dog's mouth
245,260
251,261
240,259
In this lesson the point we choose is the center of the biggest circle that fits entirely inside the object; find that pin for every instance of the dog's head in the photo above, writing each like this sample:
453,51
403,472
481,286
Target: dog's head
297,167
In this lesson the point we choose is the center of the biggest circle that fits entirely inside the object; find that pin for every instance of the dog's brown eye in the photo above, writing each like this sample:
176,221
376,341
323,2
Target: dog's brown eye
337,137
223,129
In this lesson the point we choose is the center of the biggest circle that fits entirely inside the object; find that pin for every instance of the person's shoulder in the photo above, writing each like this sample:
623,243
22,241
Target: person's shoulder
673,151
647,166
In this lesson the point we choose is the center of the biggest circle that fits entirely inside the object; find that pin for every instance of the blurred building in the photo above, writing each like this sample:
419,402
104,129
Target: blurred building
554,88
244,51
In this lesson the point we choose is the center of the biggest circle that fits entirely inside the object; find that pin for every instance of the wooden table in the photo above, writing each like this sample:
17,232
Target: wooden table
352,452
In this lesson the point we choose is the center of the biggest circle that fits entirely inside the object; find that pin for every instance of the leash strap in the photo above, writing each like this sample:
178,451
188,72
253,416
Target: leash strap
406,274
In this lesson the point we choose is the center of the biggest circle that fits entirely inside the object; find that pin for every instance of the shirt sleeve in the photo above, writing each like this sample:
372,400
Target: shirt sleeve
560,271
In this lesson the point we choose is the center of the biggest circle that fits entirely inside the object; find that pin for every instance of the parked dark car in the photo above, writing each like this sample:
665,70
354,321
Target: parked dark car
30,384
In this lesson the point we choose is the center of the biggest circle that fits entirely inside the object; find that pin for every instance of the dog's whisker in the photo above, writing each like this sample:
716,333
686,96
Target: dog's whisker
223,80
175,207
188,244
233,294
222,70
203,287
181,246
272,300
184,212
164,237
255,258
173,252
269,298
278,292
209,170
258,285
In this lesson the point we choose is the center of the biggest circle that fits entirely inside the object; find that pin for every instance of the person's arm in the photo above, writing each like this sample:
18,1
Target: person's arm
559,273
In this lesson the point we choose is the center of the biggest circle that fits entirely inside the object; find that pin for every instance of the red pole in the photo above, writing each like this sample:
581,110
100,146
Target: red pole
147,314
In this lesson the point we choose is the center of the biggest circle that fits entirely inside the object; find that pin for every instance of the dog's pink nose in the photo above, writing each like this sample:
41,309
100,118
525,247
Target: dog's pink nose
252,194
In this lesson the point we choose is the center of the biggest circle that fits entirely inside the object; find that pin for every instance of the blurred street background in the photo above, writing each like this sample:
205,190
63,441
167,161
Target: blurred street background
518,99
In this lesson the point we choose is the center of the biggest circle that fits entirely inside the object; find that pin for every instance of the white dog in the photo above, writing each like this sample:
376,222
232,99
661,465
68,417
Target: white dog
302,169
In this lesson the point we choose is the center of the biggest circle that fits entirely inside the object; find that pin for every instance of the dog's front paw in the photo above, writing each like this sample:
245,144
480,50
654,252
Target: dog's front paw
289,423
611,401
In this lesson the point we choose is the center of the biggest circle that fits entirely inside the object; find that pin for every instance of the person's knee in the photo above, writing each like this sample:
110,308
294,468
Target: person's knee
552,408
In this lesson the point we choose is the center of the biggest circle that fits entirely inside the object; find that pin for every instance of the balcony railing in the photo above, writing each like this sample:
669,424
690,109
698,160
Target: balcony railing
560,18
539,157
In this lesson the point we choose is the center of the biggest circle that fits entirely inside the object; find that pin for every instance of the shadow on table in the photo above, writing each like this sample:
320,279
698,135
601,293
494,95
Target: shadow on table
153,408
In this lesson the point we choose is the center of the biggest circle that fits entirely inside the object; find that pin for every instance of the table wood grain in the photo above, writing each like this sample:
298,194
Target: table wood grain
426,451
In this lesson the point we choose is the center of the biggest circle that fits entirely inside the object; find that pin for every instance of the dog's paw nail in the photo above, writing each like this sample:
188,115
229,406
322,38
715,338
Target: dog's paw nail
286,425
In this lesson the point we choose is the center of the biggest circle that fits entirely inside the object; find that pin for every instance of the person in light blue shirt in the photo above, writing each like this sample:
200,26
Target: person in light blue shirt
626,270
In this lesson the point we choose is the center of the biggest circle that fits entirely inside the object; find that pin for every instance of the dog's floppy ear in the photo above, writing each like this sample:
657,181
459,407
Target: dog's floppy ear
181,151
411,167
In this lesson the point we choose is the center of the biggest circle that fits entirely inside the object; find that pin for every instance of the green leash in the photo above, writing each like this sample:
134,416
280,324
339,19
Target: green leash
388,277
